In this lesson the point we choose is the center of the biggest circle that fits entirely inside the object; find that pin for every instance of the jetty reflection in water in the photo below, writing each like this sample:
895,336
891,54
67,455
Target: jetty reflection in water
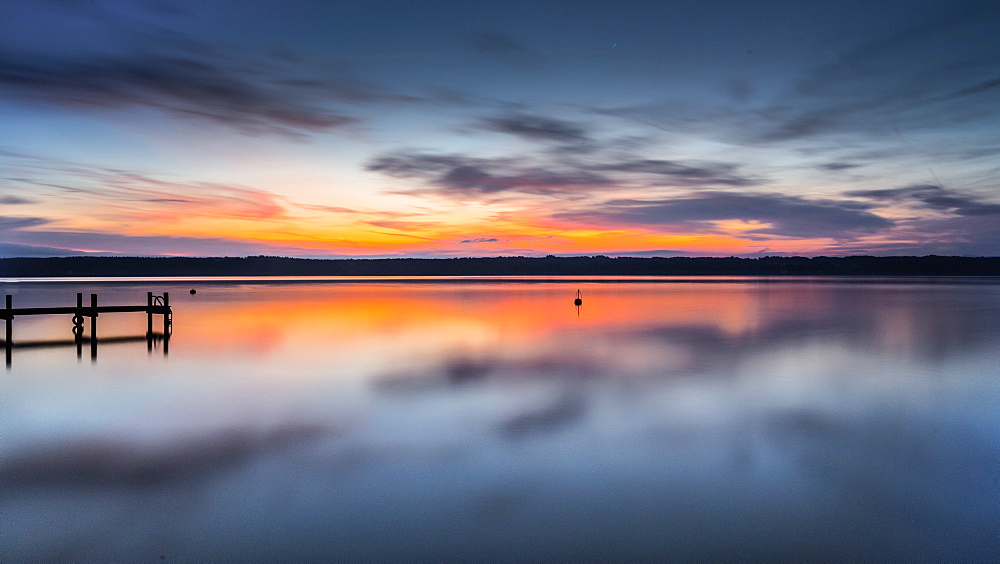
455,421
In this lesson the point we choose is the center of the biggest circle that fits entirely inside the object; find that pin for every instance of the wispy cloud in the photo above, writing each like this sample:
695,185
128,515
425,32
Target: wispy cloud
683,173
778,215
503,48
10,250
172,71
14,201
821,135
932,197
181,85
69,242
113,210
837,166
931,219
402,225
868,88
15,223
464,177
538,128
110,463
931,75
138,195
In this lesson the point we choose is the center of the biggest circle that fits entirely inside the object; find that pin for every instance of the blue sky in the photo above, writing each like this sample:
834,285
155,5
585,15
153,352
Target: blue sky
499,128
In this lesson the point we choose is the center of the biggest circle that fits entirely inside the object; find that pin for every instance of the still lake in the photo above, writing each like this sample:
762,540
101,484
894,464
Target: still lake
491,419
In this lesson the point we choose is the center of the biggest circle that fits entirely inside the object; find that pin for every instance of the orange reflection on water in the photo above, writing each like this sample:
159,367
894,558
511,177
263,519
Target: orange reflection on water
337,320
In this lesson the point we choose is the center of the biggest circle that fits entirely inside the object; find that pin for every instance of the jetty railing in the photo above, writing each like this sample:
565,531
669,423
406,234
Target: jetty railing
155,305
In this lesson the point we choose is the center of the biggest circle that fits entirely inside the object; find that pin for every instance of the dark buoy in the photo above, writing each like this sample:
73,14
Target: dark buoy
193,291
579,298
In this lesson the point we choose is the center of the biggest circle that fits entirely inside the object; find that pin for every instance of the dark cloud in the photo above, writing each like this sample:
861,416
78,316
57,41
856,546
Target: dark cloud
180,84
13,223
787,216
465,176
461,176
683,174
480,240
406,165
503,48
10,250
14,200
897,194
838,166
241,94
117,60
472,180
538,128
933,197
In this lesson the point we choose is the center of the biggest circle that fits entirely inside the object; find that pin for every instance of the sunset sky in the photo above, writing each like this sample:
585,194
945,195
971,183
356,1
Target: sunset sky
475,128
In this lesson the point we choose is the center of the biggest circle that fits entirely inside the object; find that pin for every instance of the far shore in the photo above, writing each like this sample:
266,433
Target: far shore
103,266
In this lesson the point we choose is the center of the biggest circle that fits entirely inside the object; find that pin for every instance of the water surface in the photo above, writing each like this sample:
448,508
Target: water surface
388,419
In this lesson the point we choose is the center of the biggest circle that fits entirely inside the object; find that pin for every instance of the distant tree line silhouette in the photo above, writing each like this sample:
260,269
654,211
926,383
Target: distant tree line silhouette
501,266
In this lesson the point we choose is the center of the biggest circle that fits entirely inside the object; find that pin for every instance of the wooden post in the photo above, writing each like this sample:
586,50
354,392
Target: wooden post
78,329
149,321
93,327
166,322
10,318
166,313
149,313
9,332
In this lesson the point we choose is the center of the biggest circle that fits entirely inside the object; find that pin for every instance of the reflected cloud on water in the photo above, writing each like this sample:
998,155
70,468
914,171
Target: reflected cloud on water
106,462
434,422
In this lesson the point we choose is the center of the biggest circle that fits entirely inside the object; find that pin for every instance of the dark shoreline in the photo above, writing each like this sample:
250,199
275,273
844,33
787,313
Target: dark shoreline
501,266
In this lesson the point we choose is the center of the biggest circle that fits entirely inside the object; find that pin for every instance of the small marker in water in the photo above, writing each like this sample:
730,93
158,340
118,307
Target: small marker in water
193,291
579,298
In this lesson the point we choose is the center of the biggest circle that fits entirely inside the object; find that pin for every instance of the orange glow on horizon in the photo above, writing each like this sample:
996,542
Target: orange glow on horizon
294,231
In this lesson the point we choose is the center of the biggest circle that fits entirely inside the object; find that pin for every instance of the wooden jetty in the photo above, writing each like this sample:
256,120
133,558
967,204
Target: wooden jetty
155,305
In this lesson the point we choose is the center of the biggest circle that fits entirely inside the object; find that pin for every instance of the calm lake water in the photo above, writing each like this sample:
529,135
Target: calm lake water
486,419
